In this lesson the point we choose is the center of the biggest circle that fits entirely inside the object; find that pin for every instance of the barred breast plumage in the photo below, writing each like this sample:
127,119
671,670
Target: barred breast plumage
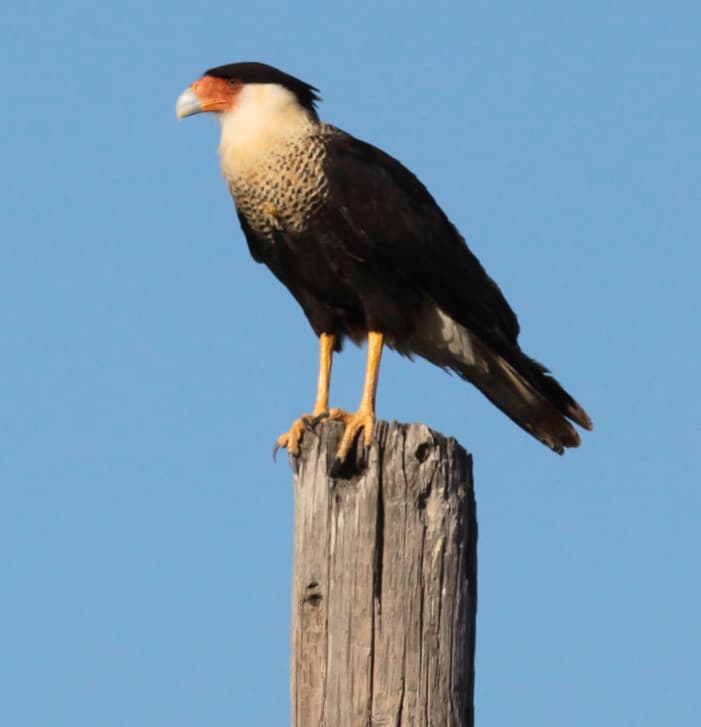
284,187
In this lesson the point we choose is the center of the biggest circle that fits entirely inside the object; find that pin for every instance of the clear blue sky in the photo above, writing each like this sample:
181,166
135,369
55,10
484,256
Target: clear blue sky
148,364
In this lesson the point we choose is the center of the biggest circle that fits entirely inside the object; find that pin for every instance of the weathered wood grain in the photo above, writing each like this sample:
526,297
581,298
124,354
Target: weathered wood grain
385,583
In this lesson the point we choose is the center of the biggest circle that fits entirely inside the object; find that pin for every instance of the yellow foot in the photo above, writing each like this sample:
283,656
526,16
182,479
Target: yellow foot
291,440
363,419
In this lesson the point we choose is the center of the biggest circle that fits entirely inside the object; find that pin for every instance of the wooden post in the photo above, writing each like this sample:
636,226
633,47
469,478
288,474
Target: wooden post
385,583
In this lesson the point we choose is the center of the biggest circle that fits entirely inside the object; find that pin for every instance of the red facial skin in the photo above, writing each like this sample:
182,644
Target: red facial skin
216,94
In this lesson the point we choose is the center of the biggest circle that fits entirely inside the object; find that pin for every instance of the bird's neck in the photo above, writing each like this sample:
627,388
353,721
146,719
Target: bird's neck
255,131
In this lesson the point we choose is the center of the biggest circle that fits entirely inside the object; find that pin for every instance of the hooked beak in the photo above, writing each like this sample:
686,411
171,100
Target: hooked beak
188,104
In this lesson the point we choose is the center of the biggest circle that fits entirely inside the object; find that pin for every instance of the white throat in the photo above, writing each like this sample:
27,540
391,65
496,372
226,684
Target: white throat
264,117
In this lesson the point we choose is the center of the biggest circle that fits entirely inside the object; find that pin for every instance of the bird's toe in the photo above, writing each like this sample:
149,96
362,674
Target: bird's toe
361,420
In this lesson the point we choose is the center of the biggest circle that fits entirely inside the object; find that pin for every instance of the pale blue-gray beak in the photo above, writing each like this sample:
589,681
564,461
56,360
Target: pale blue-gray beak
188,104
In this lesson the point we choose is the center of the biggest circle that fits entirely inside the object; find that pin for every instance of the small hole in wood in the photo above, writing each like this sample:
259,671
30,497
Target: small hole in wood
313,599
422,452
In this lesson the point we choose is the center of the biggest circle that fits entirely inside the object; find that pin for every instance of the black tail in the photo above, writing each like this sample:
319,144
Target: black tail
521,387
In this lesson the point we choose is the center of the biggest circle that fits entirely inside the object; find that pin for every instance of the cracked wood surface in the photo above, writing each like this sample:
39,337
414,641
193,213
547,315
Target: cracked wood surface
385,582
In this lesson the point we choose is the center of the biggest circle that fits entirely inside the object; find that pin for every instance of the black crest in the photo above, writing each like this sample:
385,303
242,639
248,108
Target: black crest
252,72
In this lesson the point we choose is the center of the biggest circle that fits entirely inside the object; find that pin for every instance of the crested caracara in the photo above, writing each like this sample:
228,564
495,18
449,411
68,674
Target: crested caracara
368,254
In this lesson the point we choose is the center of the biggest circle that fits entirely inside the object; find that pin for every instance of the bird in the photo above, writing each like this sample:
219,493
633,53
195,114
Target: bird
368,254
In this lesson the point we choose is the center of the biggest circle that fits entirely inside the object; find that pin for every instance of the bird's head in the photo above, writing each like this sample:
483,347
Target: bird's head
248,90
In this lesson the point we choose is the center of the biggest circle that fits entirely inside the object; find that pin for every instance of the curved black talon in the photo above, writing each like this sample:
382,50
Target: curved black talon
355,463
348,468
336,469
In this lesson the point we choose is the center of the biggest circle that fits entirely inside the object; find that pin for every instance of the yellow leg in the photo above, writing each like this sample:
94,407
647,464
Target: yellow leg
291,439
327,343
364,418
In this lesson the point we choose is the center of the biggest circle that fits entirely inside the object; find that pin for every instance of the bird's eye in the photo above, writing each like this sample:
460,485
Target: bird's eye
232,81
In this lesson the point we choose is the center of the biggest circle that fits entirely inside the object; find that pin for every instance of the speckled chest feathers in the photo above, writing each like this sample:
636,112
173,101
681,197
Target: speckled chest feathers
283,184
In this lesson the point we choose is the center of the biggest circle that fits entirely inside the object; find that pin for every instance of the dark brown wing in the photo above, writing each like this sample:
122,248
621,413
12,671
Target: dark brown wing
395,218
